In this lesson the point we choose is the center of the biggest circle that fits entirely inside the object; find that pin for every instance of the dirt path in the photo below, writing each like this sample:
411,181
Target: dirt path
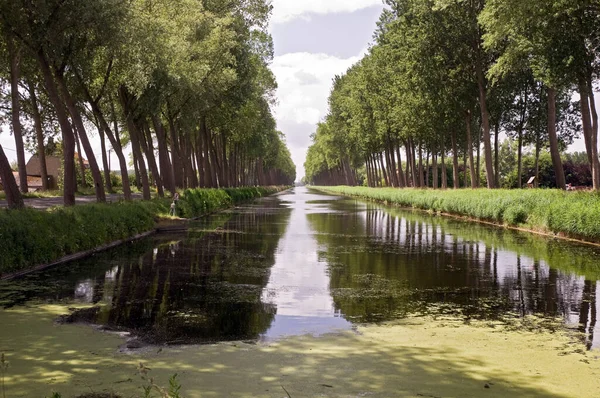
46,203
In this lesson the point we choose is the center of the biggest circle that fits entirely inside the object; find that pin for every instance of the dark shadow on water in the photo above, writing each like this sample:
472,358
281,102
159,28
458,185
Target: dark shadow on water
189,288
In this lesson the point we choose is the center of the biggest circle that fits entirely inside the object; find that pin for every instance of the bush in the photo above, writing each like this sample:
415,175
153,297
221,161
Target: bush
29,237
197,202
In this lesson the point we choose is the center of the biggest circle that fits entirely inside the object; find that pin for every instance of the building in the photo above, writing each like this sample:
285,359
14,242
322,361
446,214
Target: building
34,183
53,167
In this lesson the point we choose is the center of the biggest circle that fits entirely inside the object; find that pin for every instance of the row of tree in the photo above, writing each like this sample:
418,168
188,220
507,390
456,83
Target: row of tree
446,78
185,82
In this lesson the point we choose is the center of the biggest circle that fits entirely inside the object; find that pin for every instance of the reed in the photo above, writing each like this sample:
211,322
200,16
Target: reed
570,214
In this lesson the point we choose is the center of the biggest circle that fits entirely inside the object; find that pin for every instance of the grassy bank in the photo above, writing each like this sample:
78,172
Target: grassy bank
570,214
31,237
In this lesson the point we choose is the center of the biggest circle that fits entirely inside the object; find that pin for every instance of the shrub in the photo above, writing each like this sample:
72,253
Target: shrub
29,237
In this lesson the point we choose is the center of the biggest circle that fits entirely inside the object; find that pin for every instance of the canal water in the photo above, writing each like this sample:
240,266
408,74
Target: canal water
305,262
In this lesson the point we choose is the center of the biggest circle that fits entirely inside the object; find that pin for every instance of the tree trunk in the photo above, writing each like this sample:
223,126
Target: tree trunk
135,142
478,161
489,170
13,196
148,148
367,172
136,171
39,132
594,137
107,181
427,170
420,177
401,178
208,173
15,66
520,161
176,156
375,171
189,162
80,158
209,158
390,165
408,163
444,169
115,142
199,160
166,167
455,176
465,168
409,169
554,152
385,175
435,170
496,154
65,127
415,171
224,160
537,162
87,147
470,152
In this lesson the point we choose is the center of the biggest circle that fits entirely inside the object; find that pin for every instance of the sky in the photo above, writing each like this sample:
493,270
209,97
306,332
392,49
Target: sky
314,41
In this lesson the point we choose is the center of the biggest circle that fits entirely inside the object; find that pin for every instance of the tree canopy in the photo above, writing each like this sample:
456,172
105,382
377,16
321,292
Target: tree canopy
448,78
186,83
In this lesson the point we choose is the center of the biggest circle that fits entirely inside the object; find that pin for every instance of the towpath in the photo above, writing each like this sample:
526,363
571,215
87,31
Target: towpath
46,203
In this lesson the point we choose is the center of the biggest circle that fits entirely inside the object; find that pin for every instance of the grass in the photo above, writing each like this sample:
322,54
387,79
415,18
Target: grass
30,237
197,202
570,214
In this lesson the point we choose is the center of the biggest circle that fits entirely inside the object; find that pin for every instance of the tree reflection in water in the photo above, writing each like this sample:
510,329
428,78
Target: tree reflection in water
430,264
306,262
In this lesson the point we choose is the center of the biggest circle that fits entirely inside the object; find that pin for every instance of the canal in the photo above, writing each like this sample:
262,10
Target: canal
306,263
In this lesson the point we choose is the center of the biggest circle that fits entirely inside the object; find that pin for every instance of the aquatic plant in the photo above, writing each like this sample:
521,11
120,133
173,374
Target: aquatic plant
3,369
173,391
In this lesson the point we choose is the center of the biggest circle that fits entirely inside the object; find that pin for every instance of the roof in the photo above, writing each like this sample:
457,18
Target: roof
85,162
32,181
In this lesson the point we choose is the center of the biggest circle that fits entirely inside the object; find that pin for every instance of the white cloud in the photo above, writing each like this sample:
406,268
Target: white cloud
304,81
303,100
287,10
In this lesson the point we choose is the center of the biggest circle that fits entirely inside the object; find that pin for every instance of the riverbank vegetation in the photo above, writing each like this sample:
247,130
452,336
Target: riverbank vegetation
571,214
445,80
30,237
186,84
